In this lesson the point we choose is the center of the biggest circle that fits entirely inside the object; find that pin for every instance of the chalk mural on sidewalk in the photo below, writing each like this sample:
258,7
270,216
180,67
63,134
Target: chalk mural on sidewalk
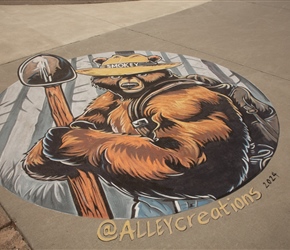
132,134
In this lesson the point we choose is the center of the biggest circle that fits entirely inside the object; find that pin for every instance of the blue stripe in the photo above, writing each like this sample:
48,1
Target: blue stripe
166,59
44,122
2,96
91,58
12,117
218,72
187,65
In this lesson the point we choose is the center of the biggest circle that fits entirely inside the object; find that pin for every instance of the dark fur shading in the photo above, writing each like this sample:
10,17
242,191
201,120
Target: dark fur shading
201,151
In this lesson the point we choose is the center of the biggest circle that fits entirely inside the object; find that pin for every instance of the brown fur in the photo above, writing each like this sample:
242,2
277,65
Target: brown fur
187,121
127,152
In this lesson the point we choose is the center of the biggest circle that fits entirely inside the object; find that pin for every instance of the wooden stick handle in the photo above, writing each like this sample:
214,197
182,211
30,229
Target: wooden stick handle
88,196
86,189
60,111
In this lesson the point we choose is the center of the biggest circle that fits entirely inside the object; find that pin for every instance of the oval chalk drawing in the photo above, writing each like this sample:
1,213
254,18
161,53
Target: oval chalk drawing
131,134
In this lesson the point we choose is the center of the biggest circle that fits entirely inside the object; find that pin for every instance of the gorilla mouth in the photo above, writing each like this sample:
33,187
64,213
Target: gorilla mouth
129,85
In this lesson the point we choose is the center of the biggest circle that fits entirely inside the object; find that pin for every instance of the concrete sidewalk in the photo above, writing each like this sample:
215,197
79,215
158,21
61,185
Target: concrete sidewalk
249,37
56,2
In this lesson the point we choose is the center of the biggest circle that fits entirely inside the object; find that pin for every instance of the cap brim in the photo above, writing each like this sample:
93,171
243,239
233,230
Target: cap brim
125,71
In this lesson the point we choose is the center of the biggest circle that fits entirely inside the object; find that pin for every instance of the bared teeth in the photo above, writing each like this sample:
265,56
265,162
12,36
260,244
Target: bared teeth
129,85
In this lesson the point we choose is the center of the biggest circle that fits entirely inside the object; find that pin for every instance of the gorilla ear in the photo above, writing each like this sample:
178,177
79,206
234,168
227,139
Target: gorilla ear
154,58
100,60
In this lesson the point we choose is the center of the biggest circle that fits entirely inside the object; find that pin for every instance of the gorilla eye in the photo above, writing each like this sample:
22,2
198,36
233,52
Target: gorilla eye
115,77
144,74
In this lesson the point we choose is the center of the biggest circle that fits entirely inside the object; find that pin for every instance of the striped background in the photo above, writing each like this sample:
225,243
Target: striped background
25,117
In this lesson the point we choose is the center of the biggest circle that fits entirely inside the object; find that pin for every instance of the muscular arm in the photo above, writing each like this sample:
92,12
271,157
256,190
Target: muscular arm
39,166
181,138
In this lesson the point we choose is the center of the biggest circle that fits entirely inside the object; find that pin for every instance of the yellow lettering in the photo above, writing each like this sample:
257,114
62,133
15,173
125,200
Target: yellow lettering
178,227
223,207
168,224
247,197
148,230
107,231
159,227
138,231
215,213
200,216
259,195
127,230
239,203
233,206
189,219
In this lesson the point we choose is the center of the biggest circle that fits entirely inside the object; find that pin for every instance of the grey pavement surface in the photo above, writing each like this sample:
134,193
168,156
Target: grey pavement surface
249,37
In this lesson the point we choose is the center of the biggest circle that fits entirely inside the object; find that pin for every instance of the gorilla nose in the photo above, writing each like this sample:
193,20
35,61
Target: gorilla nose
129,85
